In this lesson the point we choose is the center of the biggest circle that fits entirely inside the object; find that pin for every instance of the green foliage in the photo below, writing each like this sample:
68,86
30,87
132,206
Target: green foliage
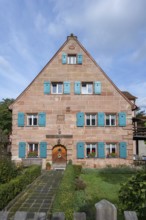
79,184
132,194
5,116
8,191
64,200
77,170
8,170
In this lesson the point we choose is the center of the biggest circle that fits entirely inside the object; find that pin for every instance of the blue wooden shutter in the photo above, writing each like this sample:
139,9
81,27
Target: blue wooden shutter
66,87
42,119
22,149
80,58
80,119
123,150
64,58
77,87
80,150
47,87
97,88
122,119
20,119
101,119
43,149
100,150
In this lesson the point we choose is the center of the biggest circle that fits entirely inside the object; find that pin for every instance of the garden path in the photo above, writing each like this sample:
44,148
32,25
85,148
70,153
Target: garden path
39,196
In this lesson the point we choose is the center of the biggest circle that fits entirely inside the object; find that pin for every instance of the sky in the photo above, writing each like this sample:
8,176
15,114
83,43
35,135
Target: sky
112,31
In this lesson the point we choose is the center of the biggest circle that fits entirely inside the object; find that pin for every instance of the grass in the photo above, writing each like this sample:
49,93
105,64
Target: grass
100,184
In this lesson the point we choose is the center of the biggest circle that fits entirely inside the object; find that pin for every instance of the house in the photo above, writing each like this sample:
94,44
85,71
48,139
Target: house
73,111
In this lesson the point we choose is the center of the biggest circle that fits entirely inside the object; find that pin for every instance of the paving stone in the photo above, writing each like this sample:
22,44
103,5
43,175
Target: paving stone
20,215
3,215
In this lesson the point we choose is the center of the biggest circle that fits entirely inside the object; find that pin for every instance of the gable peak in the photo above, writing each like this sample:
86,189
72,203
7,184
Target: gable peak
71,36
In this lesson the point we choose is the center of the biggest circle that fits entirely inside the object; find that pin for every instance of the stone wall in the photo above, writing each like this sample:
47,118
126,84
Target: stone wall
61,109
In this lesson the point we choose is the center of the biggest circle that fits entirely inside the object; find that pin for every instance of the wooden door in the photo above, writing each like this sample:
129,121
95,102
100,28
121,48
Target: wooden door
59,155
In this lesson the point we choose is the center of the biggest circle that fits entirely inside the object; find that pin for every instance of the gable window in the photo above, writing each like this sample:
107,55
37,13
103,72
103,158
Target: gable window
91,119
91,150
57,88
111,150
71,59
32,119
32,150
87,88
110,119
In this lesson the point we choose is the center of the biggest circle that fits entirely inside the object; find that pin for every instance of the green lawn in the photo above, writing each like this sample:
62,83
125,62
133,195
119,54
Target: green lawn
100,184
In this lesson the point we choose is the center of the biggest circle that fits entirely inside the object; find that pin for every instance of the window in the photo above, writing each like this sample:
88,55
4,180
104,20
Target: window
57,88
32,119
72,59
91,119
87,88
111,150
32,150
91,150
110,119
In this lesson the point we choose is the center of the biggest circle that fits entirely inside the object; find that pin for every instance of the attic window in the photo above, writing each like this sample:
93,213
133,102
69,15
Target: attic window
71,59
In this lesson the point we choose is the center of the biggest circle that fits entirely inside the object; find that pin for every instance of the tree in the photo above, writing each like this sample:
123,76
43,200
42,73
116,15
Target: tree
140,114
5,123
6,116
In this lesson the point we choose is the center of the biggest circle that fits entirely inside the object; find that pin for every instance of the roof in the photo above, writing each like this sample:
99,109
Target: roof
129,95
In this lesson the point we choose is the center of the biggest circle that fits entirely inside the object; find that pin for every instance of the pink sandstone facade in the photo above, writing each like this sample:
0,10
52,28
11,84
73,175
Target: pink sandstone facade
73,111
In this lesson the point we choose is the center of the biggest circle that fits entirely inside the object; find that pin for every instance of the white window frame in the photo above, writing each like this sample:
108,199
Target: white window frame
110,117
86,88
32,117
110,148
91,146
34,145
57,87
72,59
91,117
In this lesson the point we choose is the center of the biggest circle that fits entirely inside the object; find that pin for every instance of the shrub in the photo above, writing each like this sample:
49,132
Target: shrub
8,170
79,184
132,195
9,190
77,170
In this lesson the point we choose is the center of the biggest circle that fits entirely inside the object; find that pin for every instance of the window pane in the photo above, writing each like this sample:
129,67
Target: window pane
60,88
88,122
84,89
93,121
90,89
35,121
113,120
30,147
54,87
30,121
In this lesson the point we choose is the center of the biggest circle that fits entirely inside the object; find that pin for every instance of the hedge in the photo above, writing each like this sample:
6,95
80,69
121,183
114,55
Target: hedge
8,191
65,197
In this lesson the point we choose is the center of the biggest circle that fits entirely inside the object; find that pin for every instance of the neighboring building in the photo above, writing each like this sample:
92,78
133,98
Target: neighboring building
73,111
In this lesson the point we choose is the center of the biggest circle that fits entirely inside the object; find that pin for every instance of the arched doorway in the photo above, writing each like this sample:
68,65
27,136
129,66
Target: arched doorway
59,154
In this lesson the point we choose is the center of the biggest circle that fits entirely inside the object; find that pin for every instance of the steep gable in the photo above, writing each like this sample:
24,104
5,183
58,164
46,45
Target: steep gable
54,71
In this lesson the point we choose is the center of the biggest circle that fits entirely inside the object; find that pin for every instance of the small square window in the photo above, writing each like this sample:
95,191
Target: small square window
91,119
32,119
32,150
72,59
111,150
110,119
57,88
87,88
91,150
